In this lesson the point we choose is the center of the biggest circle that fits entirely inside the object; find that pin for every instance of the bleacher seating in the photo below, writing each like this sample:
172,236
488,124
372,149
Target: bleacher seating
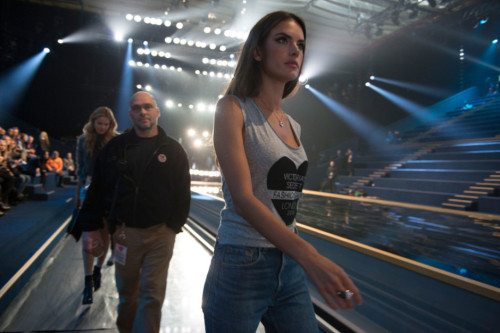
36,191
452,162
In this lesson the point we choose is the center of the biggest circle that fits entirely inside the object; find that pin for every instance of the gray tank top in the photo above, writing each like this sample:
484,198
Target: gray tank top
277,173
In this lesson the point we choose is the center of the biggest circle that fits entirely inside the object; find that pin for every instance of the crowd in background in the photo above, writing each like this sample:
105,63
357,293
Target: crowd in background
24,159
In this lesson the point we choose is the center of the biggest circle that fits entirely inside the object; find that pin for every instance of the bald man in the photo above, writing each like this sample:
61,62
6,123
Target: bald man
141,185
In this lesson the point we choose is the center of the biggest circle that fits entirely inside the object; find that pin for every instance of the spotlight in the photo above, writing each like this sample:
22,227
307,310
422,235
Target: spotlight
130,40
307,86
145,43
494,41
46,50
368,84
60,41
372,77
483,21
179,25
118,37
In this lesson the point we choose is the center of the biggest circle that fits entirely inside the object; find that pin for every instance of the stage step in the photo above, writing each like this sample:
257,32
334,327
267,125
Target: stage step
453,205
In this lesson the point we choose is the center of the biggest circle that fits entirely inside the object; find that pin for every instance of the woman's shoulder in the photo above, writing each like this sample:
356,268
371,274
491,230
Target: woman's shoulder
82,137
229,102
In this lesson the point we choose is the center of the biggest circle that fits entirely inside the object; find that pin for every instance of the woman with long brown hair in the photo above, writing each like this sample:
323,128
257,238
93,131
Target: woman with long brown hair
100,128
257,271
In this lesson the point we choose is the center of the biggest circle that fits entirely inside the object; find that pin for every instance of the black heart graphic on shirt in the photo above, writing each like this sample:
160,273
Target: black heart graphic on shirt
285,182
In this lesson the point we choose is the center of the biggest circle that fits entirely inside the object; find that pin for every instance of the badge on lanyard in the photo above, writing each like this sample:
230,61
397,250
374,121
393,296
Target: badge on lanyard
120,254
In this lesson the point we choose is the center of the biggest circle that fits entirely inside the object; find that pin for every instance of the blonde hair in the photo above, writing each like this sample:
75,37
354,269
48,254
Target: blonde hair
89,128
44,136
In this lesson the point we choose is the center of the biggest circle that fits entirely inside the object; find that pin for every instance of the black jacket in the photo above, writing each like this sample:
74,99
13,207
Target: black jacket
161,195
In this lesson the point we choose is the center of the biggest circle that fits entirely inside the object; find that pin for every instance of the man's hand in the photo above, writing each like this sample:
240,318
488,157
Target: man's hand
93,243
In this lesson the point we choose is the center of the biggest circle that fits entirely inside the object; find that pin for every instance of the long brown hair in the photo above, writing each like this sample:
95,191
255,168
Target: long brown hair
89,128
247,77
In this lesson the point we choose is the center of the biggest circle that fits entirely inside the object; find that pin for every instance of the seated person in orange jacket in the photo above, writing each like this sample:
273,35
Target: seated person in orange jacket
55,164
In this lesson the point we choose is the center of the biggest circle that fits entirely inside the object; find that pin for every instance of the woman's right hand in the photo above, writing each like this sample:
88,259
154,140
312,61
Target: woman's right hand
93,243
331,280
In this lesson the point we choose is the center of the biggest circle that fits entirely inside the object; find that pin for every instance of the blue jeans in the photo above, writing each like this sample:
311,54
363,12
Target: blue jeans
248,285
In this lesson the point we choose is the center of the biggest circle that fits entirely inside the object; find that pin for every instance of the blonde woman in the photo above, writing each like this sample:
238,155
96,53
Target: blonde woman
43,144
100,128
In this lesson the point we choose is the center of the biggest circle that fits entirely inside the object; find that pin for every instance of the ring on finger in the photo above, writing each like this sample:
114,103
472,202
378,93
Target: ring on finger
346,294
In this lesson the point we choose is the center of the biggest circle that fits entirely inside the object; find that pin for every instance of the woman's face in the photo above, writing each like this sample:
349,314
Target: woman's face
283,51
101,125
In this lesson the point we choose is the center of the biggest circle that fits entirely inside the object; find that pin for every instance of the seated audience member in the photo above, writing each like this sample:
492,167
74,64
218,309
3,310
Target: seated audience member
33,165
30,143
11,173
25,145
16,163
16,136
55,164
69,165
7,180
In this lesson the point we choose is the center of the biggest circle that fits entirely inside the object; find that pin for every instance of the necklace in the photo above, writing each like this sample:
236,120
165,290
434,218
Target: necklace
281,122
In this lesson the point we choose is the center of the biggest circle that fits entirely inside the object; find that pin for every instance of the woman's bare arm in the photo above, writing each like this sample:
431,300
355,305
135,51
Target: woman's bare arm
229,147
